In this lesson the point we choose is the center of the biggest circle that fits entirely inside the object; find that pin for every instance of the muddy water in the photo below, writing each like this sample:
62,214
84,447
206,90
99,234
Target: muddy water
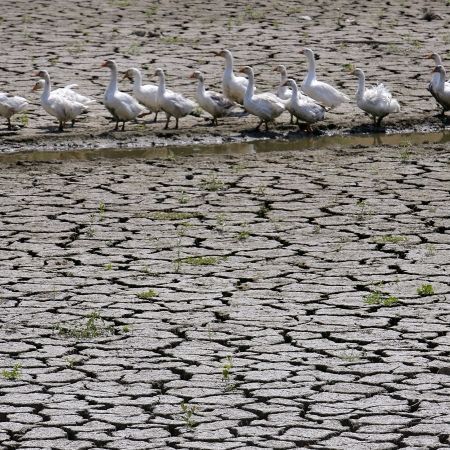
240,148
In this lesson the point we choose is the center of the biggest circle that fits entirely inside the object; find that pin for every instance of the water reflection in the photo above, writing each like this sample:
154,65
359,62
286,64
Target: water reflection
237,148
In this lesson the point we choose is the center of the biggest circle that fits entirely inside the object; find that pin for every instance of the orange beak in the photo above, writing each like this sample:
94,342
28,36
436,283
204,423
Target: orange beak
103,64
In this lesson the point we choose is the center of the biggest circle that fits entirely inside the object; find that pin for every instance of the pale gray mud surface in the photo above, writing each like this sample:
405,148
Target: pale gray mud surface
126,286
266,300
389,40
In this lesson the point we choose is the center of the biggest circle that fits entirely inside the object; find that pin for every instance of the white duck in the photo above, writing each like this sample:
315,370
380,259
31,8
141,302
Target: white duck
172,103
64,109
375,100
212,102
233,87
10,105
302,107
442,92
266,106
322,92
67,92
146,94
122,106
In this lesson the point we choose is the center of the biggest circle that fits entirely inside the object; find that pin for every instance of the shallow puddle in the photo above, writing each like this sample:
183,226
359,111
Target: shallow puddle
235,148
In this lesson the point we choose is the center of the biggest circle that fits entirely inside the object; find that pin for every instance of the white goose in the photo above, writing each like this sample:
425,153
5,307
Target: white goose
64,109
435,77
442,92
146,94
67,92
322,92
10,105
212,102
375,100
233,87
302,107
266,106
283,90
122,106
172,103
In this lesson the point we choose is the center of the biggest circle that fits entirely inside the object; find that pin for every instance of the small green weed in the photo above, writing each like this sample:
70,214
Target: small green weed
212,183
133,49
93,327
390,239
147,295
201,260
151,11
379,298
101,210
14,374
425,290
108,266
183,199
263,211
227,367
244,234
220,219
172,215
348,67
226,373
188,413
70,361
23,119
172,40
430,250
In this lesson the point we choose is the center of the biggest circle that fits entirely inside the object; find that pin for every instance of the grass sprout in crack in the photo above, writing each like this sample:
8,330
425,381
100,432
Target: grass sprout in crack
381,299
14,374
188,413
93,327
227,377
425,290
147,295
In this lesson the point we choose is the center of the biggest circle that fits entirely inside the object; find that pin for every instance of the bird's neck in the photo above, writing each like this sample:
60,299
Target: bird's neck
283,77
201,88
250,87
47,87
228,64
161,84
294,91
441,82
311,67
112,87
361,86
137,81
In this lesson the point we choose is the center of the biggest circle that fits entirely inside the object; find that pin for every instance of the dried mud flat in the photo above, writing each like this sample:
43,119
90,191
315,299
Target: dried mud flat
235,301
389,40
127,285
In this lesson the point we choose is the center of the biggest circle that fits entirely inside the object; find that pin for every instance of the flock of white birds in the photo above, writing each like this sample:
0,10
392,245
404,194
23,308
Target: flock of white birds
306,104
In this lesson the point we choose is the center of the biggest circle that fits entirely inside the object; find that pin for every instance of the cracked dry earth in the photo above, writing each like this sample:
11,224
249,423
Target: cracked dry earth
228,302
